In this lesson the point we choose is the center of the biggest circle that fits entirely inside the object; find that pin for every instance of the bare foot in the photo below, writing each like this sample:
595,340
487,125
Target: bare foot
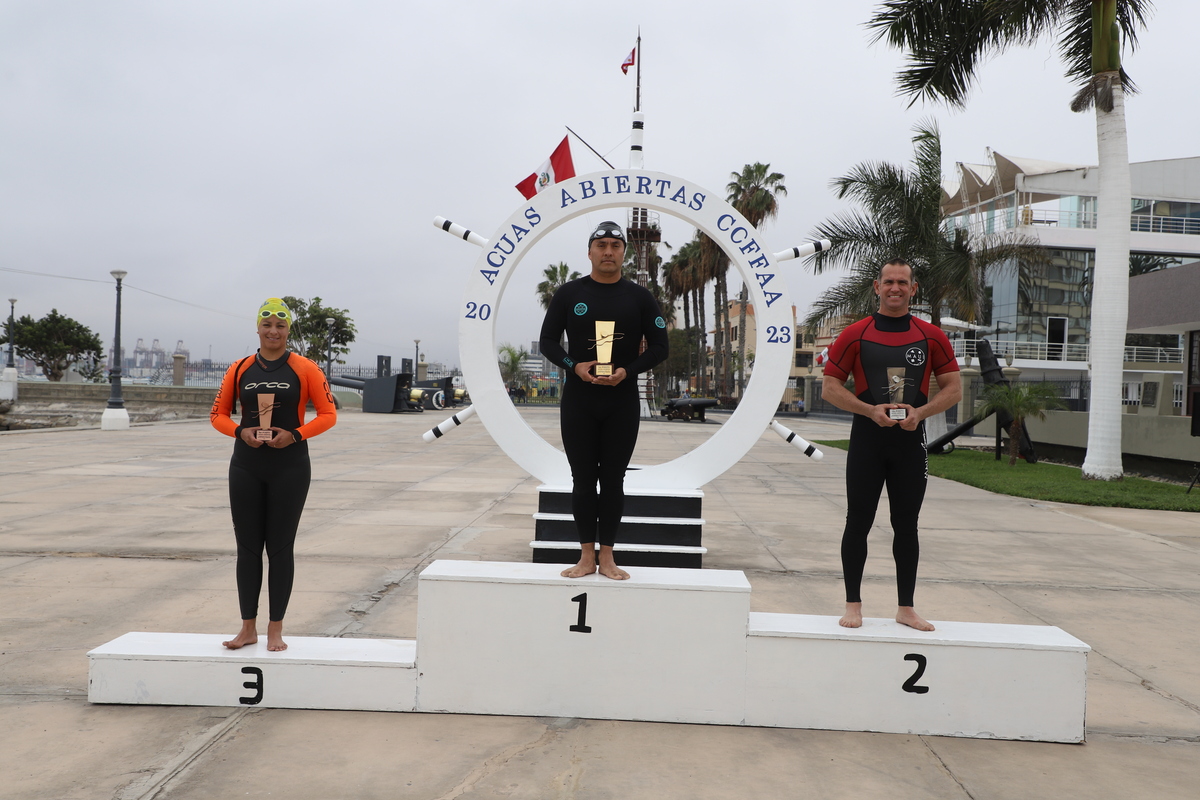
586,565
906,616
853,616
275,640
247,635
608,565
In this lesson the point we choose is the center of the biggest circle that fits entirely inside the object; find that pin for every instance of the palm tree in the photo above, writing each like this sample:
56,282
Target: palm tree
1018,400
714,266
945,42
556,276
510,360
900,216
755,194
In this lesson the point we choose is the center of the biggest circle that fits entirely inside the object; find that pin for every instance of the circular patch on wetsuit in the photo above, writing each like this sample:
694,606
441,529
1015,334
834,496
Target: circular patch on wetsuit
660,322
915,356
580,309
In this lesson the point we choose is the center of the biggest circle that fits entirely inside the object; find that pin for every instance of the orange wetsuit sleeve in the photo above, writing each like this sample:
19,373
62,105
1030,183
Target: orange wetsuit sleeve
222,408
314,387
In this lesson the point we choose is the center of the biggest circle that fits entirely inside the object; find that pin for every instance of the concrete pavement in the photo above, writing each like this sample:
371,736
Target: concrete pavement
102,533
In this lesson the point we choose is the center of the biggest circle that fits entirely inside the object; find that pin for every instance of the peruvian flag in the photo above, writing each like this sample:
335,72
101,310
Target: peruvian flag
629,61
558,167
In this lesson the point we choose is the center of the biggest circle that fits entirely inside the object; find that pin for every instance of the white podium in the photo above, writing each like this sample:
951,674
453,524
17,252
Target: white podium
964,679
194,669
668,645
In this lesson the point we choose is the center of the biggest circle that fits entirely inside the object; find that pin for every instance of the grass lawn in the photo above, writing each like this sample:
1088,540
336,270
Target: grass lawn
1055,482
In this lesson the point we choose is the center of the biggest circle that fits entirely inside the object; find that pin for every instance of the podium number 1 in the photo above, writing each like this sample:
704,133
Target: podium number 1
910,685
581,626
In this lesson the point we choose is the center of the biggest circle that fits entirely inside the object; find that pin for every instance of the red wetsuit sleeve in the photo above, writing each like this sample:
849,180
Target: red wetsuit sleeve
313,386
941,352
844,352
222,408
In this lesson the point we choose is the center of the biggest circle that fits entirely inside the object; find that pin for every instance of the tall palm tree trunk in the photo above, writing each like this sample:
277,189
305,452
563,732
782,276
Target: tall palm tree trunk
1110,295
741,382
702,326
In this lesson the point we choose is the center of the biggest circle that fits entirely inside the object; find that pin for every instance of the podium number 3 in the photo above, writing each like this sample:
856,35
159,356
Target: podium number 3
256,684
581,626
910,685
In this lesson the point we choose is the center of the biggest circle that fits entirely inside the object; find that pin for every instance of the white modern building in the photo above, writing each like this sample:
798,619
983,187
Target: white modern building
1042,320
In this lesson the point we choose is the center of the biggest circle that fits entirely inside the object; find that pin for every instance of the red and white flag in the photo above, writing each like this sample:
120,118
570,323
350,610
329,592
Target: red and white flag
559,167
629,61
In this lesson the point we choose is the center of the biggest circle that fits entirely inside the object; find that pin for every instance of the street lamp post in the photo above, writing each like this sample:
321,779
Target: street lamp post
12,332
329,347
8,382
416,356
115,416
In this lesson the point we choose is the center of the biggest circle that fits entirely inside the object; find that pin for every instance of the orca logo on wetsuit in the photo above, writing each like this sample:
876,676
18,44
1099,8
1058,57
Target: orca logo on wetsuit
580,309
915,356
267,385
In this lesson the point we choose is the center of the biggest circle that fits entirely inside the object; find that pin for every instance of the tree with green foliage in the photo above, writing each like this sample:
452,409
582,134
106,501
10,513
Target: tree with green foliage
946,42
755,193
684,277
54,343
509,361
1020,401
556,276
309,332
900,215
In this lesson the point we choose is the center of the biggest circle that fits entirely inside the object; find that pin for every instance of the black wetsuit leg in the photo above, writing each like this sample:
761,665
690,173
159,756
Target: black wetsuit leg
266,498
897,458
599,433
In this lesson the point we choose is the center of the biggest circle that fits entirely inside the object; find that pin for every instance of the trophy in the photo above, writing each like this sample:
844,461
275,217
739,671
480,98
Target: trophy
895,391
604,342
266,403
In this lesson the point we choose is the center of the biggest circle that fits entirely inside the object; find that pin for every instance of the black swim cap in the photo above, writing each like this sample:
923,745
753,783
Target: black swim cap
607,230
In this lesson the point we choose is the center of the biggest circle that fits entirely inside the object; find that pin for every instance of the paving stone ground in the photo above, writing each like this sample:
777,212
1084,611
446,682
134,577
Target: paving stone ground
102,533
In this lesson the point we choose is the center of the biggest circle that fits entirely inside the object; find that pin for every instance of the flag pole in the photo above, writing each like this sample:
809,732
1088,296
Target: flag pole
588,146
637,102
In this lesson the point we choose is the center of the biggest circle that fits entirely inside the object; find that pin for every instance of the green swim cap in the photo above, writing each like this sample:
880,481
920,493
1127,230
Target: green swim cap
273,306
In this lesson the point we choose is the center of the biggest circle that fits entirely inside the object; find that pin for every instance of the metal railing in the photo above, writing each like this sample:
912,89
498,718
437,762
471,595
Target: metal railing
1068,351
980,222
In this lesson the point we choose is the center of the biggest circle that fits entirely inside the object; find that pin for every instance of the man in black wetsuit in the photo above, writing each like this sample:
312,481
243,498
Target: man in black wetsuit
600,412
891,355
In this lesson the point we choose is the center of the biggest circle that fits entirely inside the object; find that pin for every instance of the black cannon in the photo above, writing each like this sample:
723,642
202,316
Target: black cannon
687,408
989,370
388,395
438,393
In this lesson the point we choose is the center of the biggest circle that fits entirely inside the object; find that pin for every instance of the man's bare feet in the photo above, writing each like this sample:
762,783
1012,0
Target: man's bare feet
853,616
586,565
247,635
906,616
275,640
608,565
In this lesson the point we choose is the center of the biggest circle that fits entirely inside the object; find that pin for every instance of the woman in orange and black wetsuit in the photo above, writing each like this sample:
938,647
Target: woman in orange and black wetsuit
268,478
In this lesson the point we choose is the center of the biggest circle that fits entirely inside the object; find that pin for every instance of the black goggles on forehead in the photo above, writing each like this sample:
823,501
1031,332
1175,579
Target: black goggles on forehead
604,233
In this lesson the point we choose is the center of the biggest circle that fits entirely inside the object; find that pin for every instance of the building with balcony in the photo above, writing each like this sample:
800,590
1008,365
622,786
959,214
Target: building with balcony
1042,320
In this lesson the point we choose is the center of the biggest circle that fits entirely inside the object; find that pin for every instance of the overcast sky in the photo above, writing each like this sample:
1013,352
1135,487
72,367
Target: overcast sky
228,150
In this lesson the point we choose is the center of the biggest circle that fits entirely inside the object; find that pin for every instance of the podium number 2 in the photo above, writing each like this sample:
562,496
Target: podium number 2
581,626
256,684
910,685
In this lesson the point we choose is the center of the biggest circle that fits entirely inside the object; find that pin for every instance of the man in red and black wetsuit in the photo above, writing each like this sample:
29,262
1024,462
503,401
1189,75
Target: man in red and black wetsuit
891,355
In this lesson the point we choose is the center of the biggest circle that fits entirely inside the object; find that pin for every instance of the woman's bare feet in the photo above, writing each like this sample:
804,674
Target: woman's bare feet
853,616
587,562
247,635
608,565
906,616
275,640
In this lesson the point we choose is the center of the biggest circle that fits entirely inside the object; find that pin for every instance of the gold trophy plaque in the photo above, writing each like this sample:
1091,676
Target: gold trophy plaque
895,391
604,343
266,404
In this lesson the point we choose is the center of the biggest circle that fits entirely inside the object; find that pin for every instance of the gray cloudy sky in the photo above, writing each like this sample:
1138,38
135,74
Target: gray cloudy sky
228,150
